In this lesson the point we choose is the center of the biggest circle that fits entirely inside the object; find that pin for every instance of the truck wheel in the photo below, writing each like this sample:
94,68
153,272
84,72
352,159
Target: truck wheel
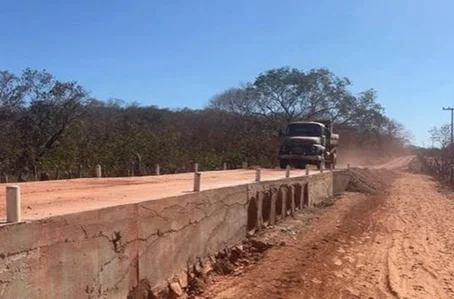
283,164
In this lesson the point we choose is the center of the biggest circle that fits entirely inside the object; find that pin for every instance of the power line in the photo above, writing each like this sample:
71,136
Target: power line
452,121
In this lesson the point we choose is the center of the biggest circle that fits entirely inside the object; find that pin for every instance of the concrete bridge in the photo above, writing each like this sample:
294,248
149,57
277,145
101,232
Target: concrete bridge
98,238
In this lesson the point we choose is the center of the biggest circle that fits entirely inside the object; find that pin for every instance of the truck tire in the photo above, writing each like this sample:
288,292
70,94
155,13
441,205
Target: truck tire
283,164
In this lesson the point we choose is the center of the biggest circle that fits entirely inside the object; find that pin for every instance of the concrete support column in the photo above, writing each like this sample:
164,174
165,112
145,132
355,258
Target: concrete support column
287,171
260,196
197,182
284,194
13,204
291,194
305,195
274,197
301,195
307,169
98,171
257,174
157,169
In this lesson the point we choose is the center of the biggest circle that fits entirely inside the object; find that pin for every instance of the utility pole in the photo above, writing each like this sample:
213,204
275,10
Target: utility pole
452,121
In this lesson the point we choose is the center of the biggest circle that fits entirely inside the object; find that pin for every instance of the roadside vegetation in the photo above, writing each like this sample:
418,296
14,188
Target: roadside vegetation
54,129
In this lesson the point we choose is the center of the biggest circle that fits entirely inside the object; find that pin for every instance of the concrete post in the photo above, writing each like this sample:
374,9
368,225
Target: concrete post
225,166
307,169
158,169
98,171
287,171
322,166
196,167
13,206
244,165
6,178
348,166
197,182
331,167
257,174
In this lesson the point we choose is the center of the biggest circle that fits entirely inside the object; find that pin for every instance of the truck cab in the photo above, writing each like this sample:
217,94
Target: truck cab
308,142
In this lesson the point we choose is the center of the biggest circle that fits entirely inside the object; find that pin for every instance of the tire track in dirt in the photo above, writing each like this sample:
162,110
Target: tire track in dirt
396,246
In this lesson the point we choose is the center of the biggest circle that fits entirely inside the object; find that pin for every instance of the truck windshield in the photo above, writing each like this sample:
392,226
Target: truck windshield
311,130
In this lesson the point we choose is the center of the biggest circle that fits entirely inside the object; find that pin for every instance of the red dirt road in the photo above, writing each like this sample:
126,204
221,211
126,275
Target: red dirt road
44,199
389,246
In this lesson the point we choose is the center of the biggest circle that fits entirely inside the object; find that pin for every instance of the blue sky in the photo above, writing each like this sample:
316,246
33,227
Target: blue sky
180,53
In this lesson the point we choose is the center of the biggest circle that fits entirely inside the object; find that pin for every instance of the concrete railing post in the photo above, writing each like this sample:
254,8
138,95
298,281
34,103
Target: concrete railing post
348,166
98,171
225,166
331,167
197,182
13,206
196,167
322,166
257,174
244,165
287,171
158,169
307,169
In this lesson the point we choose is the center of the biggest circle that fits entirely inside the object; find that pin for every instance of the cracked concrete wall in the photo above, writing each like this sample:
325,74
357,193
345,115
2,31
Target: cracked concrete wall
83,255
105,253
178,231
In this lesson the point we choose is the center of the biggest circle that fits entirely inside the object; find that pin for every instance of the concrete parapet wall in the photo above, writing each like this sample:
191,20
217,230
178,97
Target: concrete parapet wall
105,253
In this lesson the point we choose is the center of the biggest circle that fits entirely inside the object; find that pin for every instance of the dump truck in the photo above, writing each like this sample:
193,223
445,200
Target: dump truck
308,142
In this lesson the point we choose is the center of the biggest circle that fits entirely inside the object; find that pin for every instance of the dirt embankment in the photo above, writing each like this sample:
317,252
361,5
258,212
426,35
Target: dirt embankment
394,244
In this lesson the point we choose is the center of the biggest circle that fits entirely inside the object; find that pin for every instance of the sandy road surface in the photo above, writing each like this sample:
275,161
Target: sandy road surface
43,199
399,245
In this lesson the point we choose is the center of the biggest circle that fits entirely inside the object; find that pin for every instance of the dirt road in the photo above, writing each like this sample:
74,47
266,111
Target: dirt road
50,198
399,245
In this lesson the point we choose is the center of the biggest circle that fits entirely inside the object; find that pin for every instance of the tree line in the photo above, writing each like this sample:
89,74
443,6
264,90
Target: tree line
54,129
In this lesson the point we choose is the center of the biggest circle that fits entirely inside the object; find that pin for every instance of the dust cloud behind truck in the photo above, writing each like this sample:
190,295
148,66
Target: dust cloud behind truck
308,142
